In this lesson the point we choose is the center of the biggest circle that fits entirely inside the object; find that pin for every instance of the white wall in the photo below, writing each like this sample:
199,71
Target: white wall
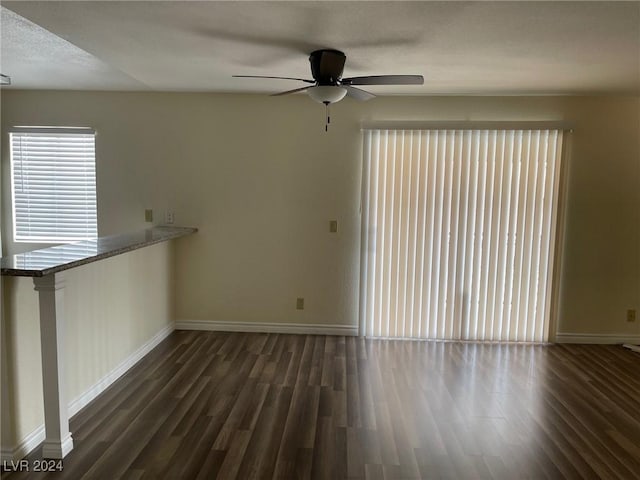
261,179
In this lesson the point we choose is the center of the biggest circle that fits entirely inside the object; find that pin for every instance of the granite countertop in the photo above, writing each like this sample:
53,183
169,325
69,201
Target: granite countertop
46,261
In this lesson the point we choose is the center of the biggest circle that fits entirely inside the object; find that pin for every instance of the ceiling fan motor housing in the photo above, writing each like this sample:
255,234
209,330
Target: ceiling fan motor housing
327,66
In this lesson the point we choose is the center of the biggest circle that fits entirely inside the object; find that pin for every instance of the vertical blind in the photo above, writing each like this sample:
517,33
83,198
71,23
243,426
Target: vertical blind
458,233
53,185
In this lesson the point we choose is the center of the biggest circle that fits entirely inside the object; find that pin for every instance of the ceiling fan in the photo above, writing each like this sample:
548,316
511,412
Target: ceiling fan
329,87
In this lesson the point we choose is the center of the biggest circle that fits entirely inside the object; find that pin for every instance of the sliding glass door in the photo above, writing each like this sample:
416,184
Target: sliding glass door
458,233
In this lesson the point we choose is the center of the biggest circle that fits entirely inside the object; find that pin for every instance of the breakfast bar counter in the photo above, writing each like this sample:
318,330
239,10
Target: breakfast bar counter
39,263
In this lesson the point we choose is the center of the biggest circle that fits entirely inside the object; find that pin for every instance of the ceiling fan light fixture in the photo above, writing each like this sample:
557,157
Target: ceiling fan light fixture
327,93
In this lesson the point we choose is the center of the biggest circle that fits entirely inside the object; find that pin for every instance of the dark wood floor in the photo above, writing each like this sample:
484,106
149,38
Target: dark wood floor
214,405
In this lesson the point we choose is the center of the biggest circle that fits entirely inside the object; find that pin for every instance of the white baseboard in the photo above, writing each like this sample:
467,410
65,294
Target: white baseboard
57,450
29,443
597,338
35,438
297,328
101,385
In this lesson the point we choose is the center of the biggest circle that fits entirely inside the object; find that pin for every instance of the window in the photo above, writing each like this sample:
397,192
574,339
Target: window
458,230
53,184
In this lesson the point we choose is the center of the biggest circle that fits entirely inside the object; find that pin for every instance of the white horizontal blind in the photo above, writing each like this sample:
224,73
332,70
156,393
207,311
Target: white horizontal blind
458,233
53,256
53,186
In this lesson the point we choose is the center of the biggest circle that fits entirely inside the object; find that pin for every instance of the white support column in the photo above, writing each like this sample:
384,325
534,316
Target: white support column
58,442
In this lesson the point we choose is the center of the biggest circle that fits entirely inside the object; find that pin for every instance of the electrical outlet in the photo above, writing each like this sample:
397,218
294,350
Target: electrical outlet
169,217
299,303
148,215
333,226
631,315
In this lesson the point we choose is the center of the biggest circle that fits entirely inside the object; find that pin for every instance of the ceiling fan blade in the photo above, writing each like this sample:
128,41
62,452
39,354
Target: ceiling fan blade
358,93
290,91
385,80
279,78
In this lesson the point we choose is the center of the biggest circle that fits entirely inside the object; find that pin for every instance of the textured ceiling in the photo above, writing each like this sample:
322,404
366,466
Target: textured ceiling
459,47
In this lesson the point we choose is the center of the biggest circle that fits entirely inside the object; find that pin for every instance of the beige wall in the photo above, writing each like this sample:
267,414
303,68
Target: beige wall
6,429
601,277
261,179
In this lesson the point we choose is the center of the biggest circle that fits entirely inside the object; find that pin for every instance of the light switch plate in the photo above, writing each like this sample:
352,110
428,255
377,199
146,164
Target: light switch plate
148,215
333,226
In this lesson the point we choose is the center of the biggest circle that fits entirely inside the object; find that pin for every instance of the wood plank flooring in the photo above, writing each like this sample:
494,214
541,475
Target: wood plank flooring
206,405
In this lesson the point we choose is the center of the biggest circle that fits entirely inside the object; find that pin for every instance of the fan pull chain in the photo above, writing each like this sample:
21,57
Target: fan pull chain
326,125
